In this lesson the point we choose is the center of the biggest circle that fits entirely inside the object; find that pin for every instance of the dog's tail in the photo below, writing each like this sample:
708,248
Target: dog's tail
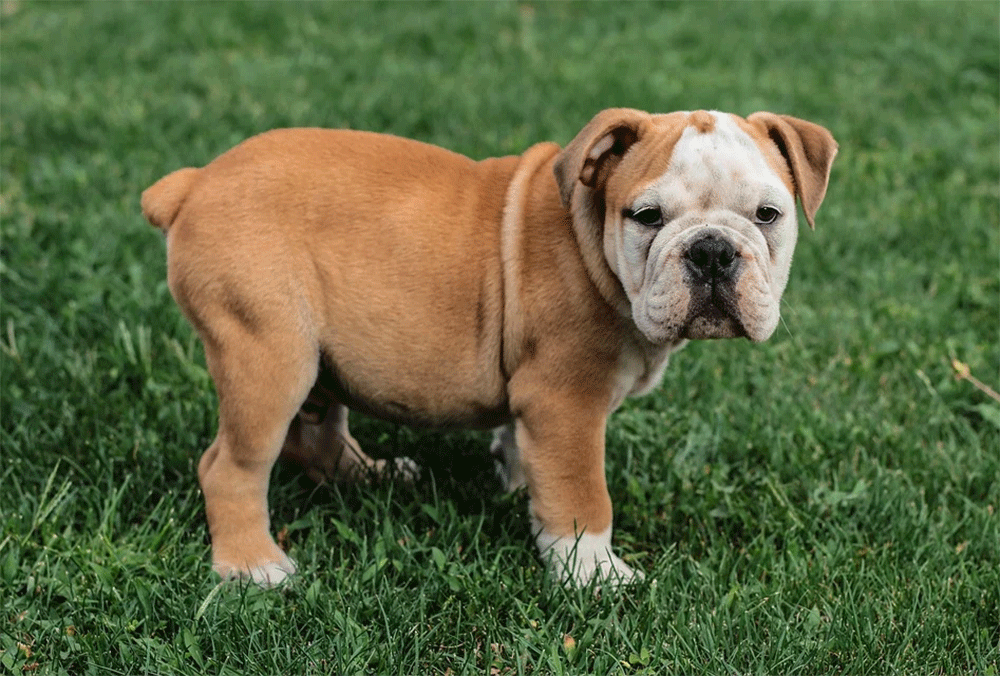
162,201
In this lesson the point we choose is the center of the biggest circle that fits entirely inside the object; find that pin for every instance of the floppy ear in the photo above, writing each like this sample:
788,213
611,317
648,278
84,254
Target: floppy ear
809,150
597,149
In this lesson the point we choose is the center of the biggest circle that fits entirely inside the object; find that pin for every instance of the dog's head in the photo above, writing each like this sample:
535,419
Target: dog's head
695,213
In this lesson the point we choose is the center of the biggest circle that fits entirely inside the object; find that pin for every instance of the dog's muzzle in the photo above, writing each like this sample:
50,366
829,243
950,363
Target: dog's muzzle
712,265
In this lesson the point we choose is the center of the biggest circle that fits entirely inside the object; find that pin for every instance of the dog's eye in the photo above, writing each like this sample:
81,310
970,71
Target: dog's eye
766,215
651,217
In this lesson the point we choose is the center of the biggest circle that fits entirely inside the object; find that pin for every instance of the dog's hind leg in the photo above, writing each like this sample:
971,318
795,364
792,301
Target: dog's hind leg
508,458
262,378
323,445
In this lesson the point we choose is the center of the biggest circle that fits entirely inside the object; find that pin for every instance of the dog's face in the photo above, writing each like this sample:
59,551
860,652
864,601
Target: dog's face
696,213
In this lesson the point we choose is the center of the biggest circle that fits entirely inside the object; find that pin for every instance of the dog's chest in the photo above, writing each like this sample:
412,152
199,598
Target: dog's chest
640,369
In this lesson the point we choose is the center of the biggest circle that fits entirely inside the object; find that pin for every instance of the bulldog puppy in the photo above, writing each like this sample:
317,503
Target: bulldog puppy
331,270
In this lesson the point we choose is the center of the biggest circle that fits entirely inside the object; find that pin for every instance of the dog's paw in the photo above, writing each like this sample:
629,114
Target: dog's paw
576,561
269,573
609,570
507,459
405,469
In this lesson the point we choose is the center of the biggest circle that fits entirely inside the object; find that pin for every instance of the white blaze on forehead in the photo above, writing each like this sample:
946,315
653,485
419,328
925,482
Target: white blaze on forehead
723,167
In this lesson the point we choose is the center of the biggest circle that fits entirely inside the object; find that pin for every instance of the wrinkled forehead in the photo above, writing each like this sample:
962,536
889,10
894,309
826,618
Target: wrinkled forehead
702,151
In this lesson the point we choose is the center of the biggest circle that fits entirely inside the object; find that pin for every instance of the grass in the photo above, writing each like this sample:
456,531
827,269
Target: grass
823,503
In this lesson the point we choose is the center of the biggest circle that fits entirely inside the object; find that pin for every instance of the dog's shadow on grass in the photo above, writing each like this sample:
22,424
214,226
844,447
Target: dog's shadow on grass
455,469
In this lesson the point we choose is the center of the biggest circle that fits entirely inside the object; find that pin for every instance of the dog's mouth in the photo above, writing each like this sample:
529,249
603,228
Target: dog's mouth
713,313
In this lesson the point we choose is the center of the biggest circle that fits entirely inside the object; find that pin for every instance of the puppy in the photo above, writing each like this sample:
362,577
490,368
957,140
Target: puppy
327,270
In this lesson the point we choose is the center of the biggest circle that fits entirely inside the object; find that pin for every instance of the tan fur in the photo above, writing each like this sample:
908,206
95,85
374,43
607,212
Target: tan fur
330,269
161,201
702,121
808,150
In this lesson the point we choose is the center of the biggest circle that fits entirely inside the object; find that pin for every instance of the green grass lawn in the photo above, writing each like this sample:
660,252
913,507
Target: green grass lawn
823,503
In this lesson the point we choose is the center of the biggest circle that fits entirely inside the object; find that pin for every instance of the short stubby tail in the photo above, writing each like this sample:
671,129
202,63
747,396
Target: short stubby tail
162,201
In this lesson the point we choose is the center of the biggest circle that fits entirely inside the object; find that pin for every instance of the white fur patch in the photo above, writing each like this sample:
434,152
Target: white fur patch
726,156
272,574
269,574
578,560
407,469
509,468
640,370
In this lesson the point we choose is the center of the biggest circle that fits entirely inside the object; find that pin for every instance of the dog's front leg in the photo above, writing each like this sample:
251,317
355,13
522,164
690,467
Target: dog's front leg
561,443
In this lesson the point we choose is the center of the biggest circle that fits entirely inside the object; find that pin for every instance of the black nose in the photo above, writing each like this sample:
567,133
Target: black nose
712,258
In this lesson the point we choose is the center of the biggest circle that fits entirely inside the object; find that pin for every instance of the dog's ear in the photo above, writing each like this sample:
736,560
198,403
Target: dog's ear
597,149
808,149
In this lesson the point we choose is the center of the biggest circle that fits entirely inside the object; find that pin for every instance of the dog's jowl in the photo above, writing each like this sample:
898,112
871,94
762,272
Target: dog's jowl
329,270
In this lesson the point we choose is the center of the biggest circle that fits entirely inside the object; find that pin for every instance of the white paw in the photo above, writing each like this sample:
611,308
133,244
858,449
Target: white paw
267,574
508,467
272,574
406,469
578,560
401,469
